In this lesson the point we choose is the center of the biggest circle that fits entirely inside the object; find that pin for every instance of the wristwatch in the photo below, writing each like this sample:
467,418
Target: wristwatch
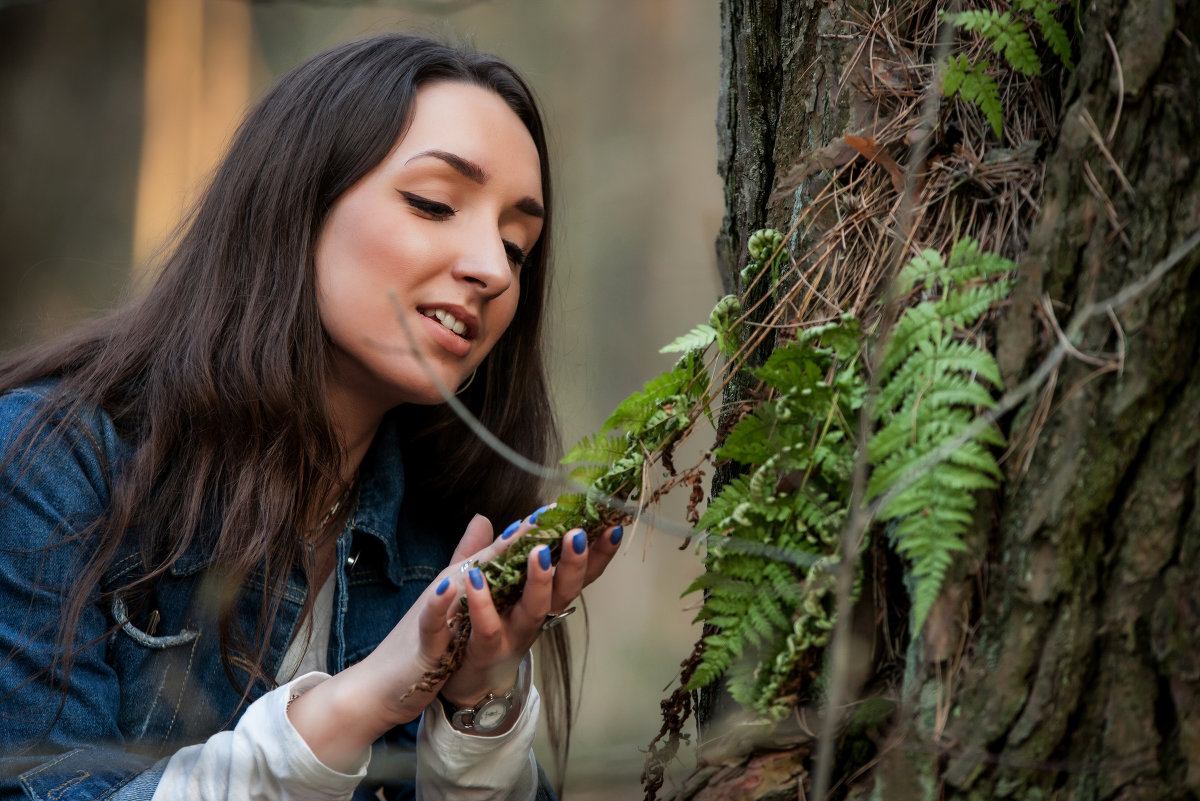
492,712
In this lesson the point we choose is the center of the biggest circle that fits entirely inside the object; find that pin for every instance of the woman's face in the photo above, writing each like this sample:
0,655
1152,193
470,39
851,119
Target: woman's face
443,223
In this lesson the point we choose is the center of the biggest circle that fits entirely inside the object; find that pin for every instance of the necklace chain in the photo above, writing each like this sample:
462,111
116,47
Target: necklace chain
318,534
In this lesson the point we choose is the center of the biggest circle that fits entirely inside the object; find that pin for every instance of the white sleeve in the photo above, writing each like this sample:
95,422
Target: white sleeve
455,765
264,758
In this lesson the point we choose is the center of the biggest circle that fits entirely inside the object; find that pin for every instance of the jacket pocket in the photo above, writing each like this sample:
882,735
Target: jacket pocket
156,677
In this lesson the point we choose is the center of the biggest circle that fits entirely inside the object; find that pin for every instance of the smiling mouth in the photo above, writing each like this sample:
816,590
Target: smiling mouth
448,321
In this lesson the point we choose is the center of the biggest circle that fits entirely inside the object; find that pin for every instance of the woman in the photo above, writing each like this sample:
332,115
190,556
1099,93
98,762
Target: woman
245,481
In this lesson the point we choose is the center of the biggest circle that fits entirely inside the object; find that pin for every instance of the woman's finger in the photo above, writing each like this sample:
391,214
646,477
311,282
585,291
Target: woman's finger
518,528
530,612
477,537
603,550
571,570
487,629
435,634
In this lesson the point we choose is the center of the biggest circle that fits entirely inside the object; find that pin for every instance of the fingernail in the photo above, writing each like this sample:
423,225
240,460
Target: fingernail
512,527
544,558
534,517
579,542
616,535
476,578
441,588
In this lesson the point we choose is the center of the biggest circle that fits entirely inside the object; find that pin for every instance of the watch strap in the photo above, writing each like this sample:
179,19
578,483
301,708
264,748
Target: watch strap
468,719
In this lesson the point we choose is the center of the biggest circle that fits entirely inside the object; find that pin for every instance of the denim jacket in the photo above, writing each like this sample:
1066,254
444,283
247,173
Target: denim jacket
158,683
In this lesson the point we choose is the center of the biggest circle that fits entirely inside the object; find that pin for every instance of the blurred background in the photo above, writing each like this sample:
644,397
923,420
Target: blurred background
112,112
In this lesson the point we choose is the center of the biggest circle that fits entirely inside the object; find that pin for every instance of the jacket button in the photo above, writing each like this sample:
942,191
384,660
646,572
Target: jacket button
352,560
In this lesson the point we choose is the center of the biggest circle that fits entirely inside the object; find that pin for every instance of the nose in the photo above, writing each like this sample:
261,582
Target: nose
483,262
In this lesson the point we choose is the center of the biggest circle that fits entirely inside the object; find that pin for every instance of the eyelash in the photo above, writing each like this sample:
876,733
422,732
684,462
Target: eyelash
441,211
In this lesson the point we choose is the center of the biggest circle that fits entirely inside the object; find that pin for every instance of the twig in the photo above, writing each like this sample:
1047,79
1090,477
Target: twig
1094,132
1112,129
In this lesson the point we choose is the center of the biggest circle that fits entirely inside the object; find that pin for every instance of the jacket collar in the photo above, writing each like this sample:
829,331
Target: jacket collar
376,512
380,495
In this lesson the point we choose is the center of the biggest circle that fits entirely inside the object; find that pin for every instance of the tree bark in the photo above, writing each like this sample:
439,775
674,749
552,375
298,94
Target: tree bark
1067,657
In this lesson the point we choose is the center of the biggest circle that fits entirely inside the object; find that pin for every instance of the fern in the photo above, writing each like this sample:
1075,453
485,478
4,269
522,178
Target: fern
799,448
930,387
698,338
1007,34
974,85
1052,30
774,530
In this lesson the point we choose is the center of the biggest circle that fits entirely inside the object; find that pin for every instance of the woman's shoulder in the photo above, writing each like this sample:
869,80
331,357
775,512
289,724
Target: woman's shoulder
42,418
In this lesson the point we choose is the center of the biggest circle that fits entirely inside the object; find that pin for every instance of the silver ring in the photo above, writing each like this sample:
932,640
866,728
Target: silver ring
555,619
467,565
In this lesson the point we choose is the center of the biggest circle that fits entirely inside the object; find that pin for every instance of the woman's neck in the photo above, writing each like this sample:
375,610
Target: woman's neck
354,425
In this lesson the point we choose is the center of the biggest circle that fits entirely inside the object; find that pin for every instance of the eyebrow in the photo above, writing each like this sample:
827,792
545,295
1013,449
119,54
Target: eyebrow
473,172
468,169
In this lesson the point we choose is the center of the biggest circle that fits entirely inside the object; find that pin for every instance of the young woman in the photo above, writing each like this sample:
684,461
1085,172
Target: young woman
231,512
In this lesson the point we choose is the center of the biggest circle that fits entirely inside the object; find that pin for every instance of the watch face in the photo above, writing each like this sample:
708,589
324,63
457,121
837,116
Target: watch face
491,714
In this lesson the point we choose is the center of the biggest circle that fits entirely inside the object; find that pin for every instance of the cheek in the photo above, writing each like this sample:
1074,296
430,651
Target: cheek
504,312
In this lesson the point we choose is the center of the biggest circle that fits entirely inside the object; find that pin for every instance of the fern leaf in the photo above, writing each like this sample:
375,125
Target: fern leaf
918,324
636,411
698,338
964,308
968,262
929,262
1007,35
958,391
602,448
974,85
1052,31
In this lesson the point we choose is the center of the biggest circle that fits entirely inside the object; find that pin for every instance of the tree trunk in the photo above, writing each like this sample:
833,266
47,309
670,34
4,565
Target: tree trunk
1065,660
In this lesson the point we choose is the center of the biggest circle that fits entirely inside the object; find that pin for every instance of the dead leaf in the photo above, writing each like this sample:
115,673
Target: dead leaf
873,152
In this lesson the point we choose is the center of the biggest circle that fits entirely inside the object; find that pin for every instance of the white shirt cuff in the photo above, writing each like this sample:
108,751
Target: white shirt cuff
454,764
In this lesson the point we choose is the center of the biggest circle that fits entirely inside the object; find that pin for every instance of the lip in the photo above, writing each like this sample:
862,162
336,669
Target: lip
448,340
465,317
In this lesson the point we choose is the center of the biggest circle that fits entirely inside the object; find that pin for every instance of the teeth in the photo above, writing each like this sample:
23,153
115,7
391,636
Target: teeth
448,320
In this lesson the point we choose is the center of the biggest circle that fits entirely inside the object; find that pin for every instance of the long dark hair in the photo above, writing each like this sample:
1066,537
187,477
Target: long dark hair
216,373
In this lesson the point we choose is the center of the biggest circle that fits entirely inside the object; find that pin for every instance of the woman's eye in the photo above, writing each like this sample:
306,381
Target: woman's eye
439,211
515,254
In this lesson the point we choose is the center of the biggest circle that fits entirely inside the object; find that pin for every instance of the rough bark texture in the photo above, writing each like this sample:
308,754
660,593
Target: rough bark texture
1084,681
1077,673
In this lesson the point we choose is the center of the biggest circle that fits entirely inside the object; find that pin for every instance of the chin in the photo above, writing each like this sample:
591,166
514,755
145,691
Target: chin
427,395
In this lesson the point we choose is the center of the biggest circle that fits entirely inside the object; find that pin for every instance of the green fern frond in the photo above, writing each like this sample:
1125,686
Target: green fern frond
599,448
964,308
698,338
974,85
644,409
929,262
968,262
1007,34
932,387
928,361
1053,32
918,324
724,319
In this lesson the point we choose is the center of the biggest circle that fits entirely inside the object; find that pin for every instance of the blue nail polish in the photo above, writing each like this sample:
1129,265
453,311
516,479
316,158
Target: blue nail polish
512,527
579,542
441,588
544,558
617,533
476,578
533,518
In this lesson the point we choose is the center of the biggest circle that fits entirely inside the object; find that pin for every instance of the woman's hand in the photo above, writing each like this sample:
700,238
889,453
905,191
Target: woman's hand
341,717
499,642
